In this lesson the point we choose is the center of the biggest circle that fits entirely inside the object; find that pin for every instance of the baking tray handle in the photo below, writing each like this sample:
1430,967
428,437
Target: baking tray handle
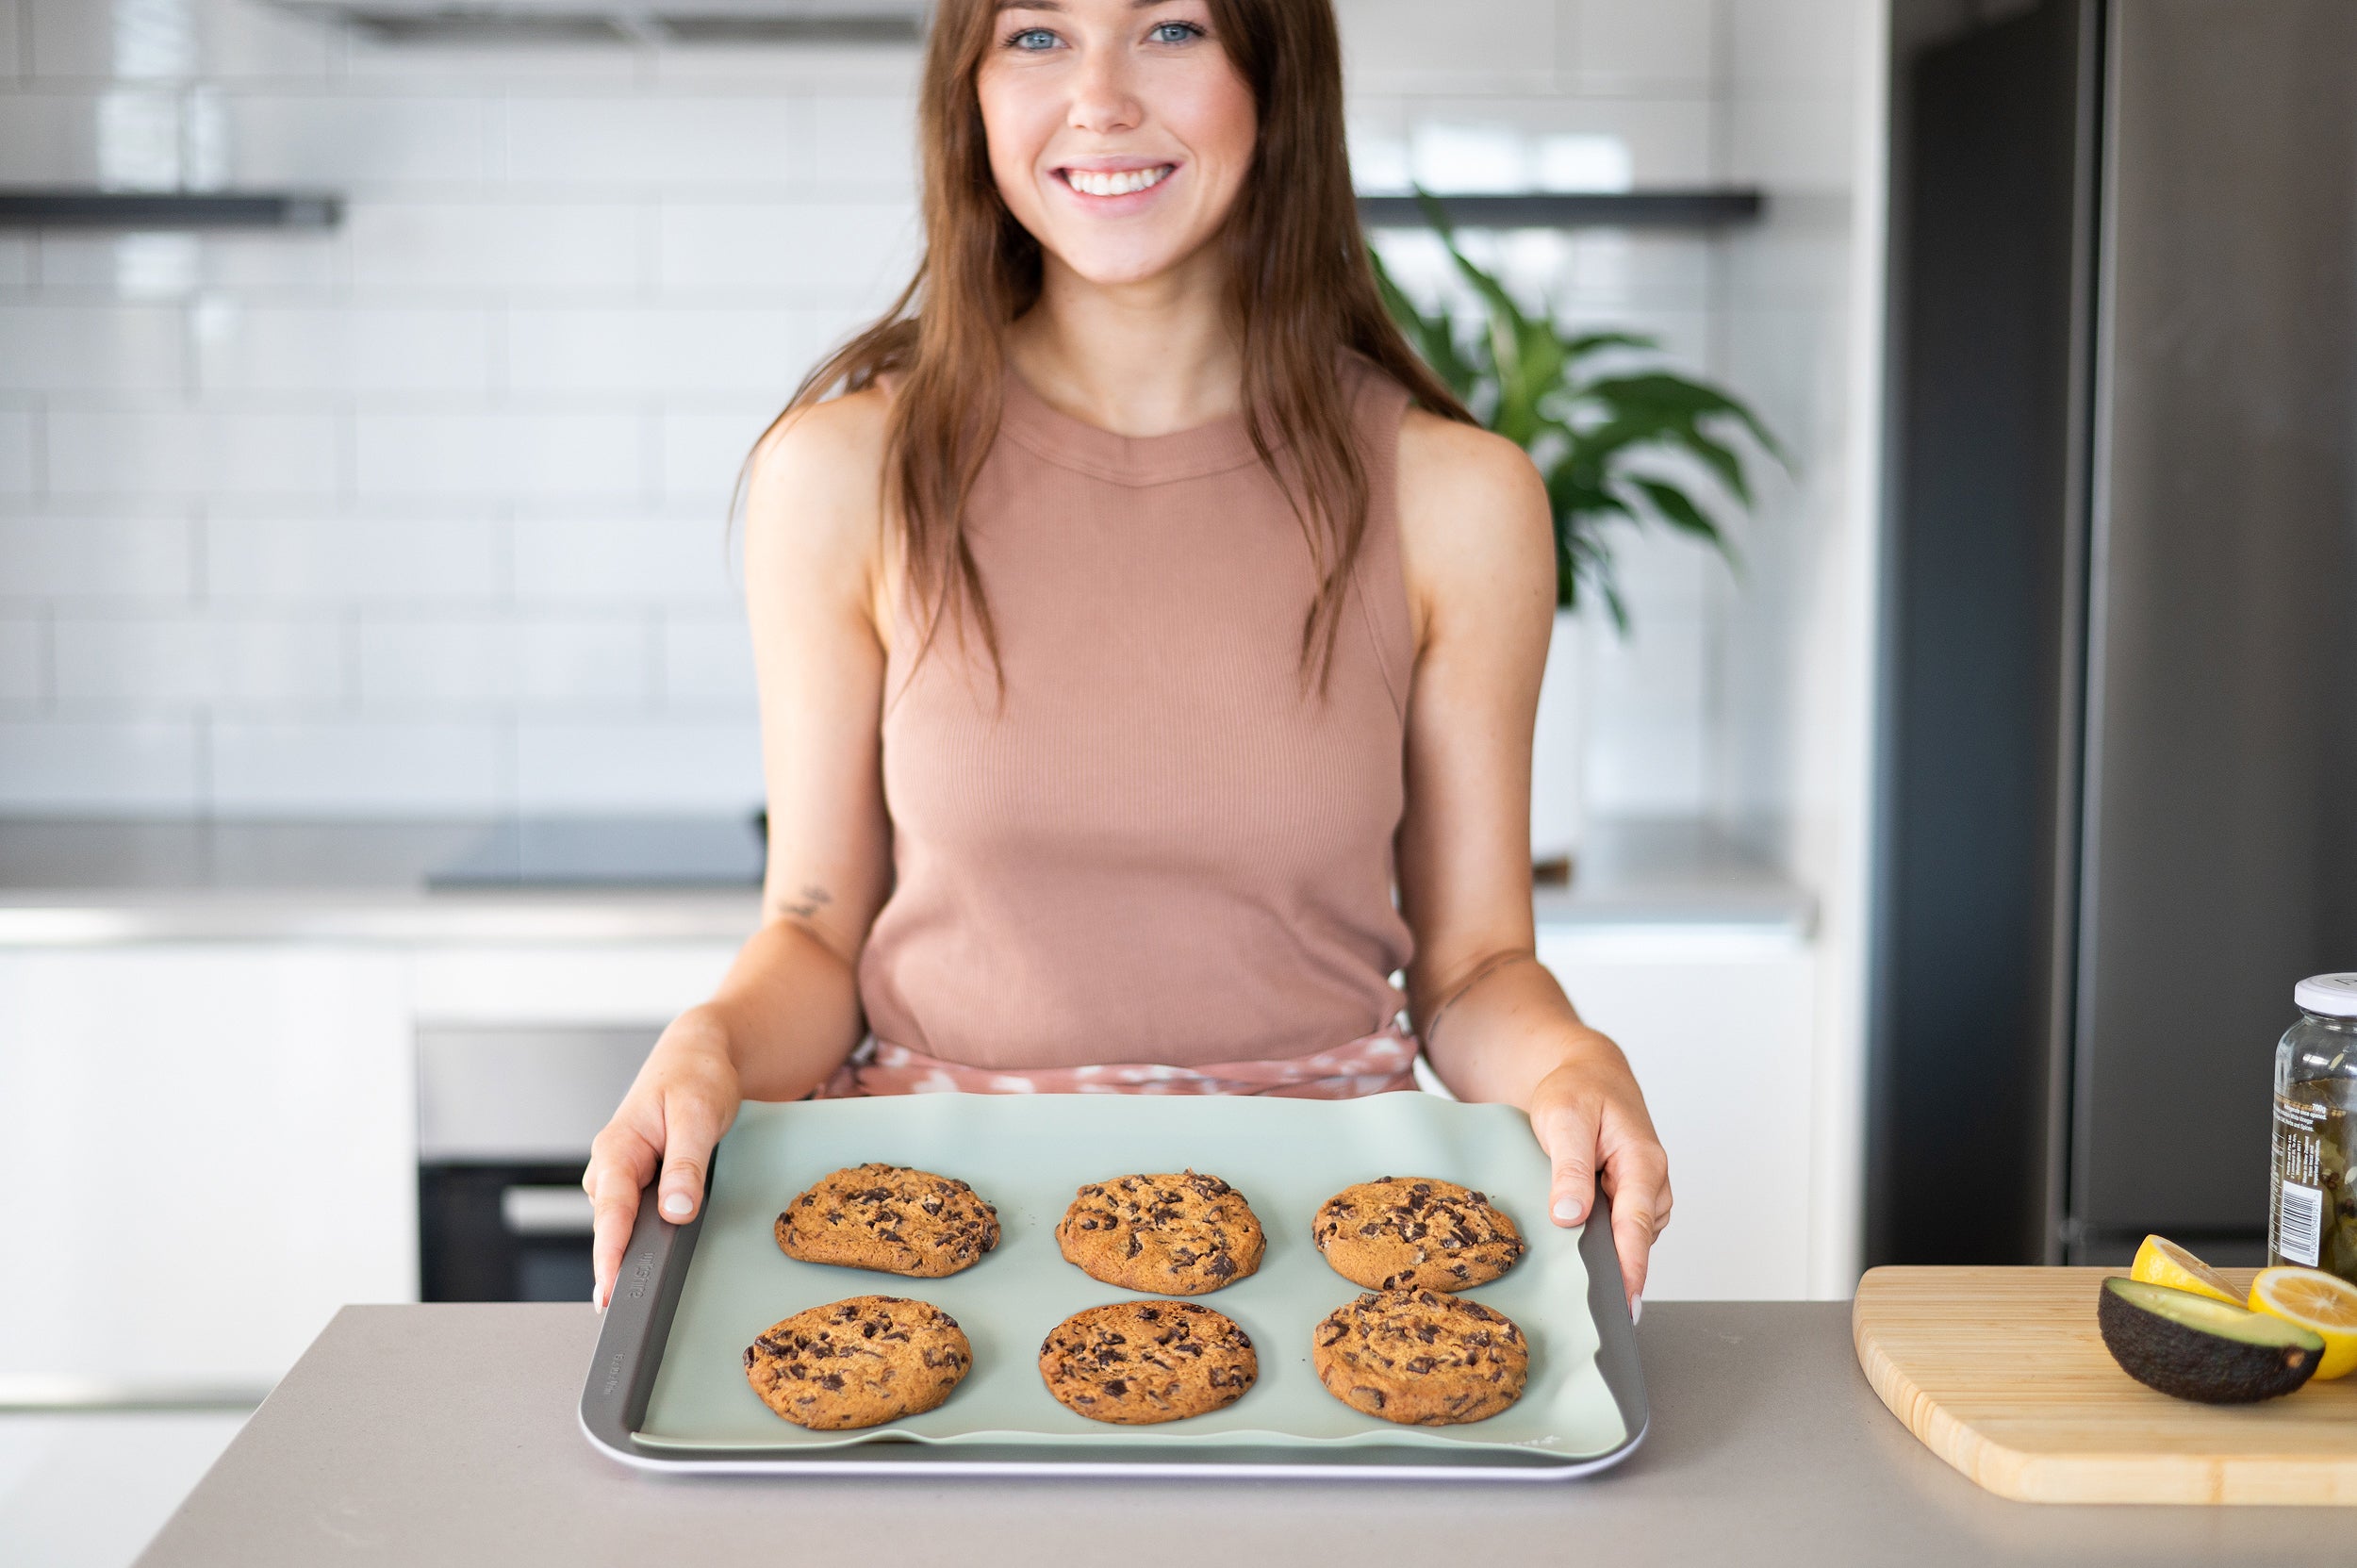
638,1321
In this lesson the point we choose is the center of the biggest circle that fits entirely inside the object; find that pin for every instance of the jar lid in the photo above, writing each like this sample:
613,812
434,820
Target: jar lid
2333,995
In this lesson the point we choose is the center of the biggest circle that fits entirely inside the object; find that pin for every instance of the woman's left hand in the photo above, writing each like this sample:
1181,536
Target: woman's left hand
1591,1118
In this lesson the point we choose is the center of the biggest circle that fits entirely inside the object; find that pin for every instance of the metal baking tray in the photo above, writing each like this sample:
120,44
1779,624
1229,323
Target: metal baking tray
697,1293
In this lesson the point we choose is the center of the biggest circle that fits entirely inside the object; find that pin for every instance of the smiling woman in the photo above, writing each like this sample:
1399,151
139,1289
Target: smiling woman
1148,643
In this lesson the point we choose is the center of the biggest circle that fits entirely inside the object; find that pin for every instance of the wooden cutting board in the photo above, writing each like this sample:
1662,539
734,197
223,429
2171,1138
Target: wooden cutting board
2002,1372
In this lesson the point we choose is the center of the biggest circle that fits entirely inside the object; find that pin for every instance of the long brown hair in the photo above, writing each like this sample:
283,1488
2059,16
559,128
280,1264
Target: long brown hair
1300,291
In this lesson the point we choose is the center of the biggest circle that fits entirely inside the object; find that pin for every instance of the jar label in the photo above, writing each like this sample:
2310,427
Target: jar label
2305,1221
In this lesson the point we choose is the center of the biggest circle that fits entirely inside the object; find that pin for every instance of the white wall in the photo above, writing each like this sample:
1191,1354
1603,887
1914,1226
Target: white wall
424,515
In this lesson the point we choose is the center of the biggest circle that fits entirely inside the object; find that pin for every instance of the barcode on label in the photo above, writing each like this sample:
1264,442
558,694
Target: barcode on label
2300,1222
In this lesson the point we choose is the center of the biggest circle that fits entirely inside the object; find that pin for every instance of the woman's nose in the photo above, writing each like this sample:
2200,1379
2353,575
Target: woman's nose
1104,98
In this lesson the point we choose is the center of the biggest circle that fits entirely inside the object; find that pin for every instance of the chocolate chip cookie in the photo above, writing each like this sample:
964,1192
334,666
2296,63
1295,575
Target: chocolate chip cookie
859,1363
1421,1358
1174,1235
890,1218
1136,1362
1416,1234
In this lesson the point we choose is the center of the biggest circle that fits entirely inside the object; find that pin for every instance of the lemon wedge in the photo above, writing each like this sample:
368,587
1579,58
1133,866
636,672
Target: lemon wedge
2322,1303
2162,1261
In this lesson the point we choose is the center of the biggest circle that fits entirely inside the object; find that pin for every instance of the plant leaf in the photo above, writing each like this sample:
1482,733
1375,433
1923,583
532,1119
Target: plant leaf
1721,459
1595,342
1678,511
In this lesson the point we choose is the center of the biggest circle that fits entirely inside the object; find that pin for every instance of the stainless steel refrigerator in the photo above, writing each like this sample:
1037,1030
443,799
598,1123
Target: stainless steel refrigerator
2119,738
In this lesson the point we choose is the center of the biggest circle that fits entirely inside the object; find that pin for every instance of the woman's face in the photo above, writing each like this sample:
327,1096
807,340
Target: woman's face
1119,133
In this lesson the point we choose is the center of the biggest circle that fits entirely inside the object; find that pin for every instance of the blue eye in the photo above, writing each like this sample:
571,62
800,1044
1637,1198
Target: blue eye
1033,38
1175,32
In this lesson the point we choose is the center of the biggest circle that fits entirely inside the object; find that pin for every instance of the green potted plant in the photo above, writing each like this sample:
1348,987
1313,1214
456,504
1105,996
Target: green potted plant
1599,434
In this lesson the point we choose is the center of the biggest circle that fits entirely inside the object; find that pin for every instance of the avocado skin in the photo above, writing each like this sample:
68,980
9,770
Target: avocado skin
2192,1363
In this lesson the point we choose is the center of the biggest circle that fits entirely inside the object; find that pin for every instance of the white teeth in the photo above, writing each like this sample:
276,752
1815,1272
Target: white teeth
1122,184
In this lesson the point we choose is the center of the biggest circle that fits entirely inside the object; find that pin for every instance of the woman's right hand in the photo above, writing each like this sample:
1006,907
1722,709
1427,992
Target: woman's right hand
683,1100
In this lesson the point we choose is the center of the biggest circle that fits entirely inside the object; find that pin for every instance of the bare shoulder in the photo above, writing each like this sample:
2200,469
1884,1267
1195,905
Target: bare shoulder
814,489
1472,516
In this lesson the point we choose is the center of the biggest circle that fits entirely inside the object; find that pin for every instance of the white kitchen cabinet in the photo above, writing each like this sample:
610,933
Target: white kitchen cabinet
212,1144
210,1150
1719,1027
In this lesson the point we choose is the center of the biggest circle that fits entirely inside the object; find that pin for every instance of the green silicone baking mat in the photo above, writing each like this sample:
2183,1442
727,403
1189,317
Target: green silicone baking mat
1027,1154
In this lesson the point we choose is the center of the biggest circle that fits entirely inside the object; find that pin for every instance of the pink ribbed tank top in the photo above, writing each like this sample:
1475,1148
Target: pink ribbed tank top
1163,849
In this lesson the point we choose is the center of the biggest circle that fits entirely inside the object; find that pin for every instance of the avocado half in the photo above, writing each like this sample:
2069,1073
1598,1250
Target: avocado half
2194,1348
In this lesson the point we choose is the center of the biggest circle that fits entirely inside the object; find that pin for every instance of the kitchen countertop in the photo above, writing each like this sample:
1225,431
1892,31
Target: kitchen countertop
448,1434
81,883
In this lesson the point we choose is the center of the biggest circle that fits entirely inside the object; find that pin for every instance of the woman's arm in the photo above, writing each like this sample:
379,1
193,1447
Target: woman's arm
1479,554
787,1011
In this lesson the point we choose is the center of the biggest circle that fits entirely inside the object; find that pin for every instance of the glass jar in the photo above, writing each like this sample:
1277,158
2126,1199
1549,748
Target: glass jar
2312,1217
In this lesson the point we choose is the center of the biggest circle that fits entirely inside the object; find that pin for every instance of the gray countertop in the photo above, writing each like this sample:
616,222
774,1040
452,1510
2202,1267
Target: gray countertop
448,1435
649,878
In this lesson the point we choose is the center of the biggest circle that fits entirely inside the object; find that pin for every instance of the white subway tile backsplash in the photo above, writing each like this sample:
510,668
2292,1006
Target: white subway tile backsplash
318,556
436,663
211,660
1658,670
190,451
707,662
880,69
97,556
269,348
652,764
442,661
1644,45
17,457
48,139
667,349
347,767
165,39
1652,766
72,767
1665,142
867,142
677,140
1787,143
491,244
853,253
673,557
134,266
1811,45
498,451
1377,129
433,65
131,265
143,141
426,513
1411,46
74,38
605,664
24,661
355,139
703,453
85,347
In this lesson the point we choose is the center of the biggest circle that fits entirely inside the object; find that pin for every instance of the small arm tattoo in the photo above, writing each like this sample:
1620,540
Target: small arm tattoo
809,901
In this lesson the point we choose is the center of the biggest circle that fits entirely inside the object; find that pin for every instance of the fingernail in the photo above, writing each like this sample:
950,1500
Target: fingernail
1567,1210
677,1205
1636,1311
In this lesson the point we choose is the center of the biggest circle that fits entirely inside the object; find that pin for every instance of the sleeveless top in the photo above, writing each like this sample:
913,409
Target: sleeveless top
1163,847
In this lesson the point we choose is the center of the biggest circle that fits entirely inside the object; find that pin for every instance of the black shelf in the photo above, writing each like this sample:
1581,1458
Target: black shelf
1644,210
169,209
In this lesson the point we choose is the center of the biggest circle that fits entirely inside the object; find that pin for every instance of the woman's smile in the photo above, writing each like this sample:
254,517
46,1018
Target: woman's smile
1101,185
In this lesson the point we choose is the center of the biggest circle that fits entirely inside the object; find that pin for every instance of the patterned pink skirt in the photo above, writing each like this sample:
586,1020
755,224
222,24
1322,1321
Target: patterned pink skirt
1372,1064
